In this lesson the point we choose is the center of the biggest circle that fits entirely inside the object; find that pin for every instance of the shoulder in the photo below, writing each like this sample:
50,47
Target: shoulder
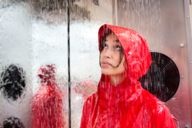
91,99
152,102
88,108
160,113
90,103
164,116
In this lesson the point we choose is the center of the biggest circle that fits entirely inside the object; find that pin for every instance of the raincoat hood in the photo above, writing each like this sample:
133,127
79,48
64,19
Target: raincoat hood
138,60
137,55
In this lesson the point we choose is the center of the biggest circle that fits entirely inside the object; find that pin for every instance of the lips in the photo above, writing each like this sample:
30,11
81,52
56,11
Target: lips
105,64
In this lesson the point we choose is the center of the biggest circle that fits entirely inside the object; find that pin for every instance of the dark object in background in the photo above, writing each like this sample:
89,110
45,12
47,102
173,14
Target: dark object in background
55,11
96,2
12,122
162,78
12,82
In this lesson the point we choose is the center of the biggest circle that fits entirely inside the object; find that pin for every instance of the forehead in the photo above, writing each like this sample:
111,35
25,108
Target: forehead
112,38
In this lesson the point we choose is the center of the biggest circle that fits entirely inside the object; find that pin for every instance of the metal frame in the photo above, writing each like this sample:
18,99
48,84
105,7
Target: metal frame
188,18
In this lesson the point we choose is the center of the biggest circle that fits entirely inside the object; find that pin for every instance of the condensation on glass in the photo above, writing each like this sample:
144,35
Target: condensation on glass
33,34
15,64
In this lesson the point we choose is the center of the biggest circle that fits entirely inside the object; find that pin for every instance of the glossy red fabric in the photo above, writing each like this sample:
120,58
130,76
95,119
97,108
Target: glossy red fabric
126,105
47,105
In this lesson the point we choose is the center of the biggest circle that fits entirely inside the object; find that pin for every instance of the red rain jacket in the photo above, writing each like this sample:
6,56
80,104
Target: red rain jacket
47,105
126,105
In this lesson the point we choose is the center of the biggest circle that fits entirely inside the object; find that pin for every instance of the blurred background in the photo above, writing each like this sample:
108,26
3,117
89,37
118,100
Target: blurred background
64,32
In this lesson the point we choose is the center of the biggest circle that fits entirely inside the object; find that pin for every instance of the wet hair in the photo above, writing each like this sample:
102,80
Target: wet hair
106,33
13,82
12,122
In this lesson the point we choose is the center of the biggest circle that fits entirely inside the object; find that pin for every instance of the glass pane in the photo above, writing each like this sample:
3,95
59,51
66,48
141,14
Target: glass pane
49,42
15,64
162,23
33,42
86,17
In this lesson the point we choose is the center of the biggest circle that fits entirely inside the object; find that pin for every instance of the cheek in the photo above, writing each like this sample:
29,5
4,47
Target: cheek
117,59
123,65
122,69
100,58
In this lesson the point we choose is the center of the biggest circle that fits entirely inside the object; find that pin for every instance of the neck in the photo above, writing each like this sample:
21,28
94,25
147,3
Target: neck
116,79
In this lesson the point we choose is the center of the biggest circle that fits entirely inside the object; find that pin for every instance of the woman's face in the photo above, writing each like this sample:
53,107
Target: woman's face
112,57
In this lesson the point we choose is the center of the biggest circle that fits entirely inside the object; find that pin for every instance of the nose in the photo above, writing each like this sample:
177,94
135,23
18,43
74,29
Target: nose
107,53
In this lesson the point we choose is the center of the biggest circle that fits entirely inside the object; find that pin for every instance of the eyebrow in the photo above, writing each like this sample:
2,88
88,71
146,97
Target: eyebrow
117,41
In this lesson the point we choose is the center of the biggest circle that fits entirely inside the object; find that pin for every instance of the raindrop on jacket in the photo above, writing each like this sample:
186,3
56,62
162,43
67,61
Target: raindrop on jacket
126,105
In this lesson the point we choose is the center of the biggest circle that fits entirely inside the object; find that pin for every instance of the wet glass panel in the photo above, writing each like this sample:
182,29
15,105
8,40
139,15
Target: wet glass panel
15,63
49,44
33,43
86,18
162,23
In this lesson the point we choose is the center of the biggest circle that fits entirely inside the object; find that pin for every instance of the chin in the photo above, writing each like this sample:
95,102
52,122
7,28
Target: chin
109,73
105,72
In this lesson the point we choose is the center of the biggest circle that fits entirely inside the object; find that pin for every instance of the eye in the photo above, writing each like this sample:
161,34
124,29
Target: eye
104,45
118,47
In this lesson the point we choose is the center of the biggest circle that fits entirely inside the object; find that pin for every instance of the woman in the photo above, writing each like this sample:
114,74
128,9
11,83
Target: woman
120,101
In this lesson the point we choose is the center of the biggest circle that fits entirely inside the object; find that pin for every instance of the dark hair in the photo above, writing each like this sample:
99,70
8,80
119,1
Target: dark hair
104,35
103,38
